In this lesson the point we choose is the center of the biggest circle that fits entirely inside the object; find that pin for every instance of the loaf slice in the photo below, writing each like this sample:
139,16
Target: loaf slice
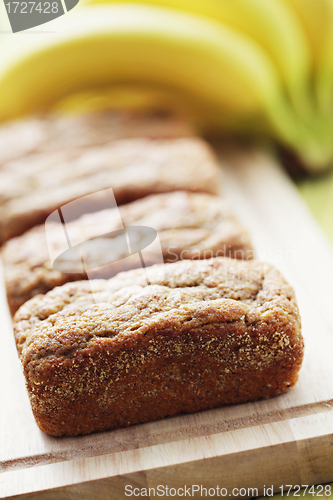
189,226
133,168
201,334
51,133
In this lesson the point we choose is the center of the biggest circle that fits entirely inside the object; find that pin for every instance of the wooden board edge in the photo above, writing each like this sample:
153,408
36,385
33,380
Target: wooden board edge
298,451
307,462
168,434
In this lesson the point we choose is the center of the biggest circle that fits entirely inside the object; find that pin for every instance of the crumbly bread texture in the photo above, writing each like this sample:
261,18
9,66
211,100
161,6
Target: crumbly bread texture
201,334
189,226
133,168
51,133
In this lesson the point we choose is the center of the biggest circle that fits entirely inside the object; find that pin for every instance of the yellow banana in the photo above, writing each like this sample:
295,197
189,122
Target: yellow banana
139,97
106,45
317,19
211,64
325,71
269,22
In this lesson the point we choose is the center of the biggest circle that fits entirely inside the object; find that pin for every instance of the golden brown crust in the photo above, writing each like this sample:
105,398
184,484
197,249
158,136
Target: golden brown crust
189,226
133,168
202,334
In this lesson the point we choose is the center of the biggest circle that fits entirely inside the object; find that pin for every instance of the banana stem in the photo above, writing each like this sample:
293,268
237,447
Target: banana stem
311,139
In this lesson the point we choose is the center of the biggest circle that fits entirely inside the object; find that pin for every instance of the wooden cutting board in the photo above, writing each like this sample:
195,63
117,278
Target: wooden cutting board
287,440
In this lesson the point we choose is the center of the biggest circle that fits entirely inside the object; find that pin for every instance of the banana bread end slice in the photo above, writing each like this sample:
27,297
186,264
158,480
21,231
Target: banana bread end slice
201,334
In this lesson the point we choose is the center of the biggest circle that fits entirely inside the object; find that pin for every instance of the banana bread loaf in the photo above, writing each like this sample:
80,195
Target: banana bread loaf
51,133
133,168
110,353
189,226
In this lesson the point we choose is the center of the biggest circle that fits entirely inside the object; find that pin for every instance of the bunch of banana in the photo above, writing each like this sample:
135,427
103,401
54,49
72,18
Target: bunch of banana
258,66
270,23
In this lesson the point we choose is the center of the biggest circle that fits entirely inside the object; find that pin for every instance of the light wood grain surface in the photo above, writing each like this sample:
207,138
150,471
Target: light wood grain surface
285,440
